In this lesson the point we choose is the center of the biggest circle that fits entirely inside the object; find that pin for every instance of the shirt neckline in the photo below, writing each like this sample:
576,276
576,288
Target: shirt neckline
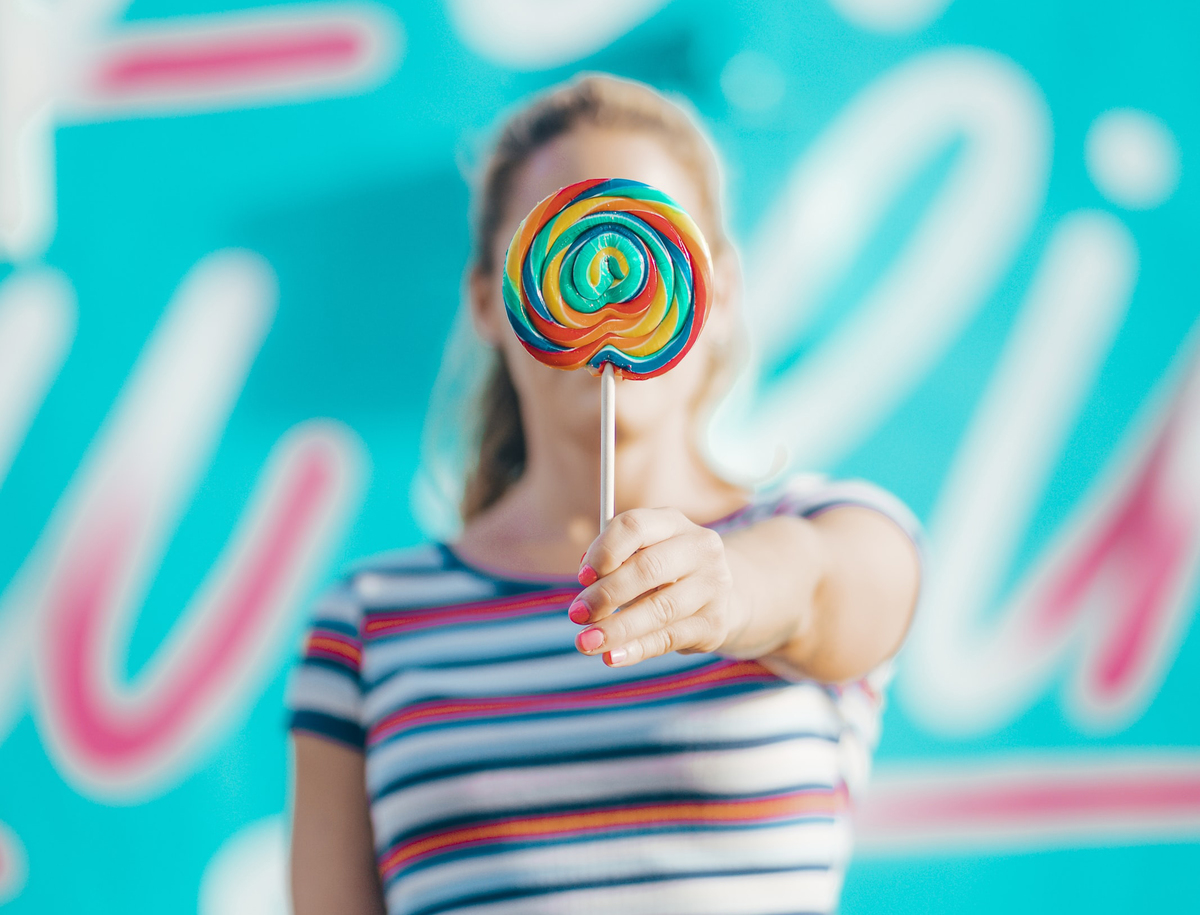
506,575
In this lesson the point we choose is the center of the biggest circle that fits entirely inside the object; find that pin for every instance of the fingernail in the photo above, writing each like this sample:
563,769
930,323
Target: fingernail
587,576
590,639
617,656
578,611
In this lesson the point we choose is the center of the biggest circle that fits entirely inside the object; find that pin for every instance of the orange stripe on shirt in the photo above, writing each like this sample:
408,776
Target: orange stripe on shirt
337,646
721,672
808,803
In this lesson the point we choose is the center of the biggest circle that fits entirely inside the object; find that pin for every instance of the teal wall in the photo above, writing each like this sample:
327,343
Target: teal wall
146,140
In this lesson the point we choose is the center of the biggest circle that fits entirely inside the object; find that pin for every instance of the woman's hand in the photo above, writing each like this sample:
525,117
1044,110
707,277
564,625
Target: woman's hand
829,597
670,578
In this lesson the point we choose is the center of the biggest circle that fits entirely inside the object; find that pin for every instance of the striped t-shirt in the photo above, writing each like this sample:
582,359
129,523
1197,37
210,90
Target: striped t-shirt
508,773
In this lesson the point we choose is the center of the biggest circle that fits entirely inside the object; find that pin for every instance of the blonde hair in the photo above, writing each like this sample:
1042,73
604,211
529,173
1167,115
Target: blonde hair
588,101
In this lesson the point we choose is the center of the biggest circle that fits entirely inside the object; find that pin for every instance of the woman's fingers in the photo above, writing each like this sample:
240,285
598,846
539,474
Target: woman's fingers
693,633
668,576
654,624
649,568
627,533
685,634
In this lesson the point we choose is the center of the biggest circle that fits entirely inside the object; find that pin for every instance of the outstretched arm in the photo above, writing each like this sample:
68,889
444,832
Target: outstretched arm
830,597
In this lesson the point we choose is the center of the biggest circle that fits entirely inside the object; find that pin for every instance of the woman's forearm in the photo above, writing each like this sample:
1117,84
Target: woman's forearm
830,597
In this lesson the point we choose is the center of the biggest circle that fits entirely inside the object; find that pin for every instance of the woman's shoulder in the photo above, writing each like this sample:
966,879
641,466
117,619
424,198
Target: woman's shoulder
425,576
392,577
423,559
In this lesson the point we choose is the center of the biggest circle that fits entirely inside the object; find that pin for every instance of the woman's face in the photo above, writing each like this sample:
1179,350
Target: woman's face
568,402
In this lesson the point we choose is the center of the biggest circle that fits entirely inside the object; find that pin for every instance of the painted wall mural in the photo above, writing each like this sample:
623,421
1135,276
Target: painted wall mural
968,234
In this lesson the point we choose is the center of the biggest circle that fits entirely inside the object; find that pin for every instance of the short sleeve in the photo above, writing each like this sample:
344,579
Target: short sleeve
810,495
325,691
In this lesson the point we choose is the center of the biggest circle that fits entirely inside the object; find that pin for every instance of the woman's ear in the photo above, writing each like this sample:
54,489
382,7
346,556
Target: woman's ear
485,316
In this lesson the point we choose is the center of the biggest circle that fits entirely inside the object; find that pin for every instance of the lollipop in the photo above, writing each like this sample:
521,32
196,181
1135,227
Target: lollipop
611,274
608,272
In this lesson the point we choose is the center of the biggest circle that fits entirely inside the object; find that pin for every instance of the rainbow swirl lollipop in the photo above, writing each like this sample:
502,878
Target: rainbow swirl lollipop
608,271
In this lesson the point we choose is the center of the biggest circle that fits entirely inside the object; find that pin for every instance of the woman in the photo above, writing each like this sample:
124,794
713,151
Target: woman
694,753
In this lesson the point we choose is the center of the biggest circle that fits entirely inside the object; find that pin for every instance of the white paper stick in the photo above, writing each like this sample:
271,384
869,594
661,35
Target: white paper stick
608,443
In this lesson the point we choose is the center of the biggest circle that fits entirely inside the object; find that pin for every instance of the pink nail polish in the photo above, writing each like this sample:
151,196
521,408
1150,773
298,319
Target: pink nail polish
587,576
578,612
617,656
590,639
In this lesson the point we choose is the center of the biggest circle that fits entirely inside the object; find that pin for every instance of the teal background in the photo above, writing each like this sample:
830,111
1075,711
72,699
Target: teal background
359,206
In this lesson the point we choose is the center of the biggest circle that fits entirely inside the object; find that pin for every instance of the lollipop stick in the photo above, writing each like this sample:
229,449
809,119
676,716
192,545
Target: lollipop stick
608,443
